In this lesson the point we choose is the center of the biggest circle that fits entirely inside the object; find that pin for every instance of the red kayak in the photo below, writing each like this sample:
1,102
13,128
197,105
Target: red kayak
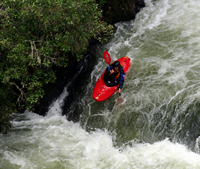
101,91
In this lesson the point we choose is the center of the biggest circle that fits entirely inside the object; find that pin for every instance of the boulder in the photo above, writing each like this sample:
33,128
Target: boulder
120,10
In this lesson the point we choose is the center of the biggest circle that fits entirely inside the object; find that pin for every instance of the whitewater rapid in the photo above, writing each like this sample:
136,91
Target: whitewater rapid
157,125
54,142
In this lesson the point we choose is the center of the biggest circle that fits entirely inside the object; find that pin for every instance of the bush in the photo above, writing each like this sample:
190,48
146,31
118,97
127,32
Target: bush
36,35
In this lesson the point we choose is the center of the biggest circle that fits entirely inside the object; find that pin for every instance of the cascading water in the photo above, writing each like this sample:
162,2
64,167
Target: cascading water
162,88
157,125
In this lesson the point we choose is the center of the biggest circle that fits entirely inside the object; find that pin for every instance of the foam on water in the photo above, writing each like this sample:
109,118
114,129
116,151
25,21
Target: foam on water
54,142
161,90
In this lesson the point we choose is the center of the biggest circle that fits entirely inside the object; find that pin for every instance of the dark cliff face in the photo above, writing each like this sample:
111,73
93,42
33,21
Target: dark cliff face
121,10
113,11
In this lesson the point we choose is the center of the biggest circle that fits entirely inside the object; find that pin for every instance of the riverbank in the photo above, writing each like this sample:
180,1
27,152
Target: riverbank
29,76
78,71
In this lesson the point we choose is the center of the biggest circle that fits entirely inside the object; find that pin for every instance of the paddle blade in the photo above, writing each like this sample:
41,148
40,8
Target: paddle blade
119,100
106,57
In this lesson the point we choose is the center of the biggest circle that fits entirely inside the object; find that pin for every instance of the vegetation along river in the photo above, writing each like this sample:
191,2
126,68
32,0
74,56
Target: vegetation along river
157,125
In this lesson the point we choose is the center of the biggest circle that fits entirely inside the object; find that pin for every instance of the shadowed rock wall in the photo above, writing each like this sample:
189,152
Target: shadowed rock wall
113,11
120,10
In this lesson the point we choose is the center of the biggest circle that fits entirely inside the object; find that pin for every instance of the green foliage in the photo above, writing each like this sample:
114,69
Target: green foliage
36,35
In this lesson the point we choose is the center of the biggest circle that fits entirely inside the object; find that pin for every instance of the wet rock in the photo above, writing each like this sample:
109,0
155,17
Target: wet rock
121,10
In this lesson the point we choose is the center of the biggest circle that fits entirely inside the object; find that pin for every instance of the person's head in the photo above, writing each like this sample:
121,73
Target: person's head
116,65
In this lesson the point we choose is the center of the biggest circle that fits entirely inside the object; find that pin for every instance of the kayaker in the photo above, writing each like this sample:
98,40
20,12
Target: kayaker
114,75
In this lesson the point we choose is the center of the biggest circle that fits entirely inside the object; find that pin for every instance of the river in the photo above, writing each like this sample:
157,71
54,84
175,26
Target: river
157,125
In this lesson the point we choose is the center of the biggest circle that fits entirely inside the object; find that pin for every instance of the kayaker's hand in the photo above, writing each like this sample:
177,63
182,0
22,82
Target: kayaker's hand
112,71
119,90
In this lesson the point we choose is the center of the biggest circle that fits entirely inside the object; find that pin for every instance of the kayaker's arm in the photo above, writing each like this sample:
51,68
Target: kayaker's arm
110,69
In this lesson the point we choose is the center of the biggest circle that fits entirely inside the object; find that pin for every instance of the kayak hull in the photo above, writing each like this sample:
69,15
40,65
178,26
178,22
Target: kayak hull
101,91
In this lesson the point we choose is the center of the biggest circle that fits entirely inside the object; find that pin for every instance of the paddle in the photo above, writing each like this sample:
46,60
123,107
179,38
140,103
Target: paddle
120,99
107,58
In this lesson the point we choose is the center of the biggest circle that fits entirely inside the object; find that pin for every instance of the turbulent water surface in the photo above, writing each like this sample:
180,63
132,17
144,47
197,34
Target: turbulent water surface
158,123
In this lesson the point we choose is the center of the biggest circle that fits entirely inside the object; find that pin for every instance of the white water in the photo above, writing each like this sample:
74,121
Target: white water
161,101
54,142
